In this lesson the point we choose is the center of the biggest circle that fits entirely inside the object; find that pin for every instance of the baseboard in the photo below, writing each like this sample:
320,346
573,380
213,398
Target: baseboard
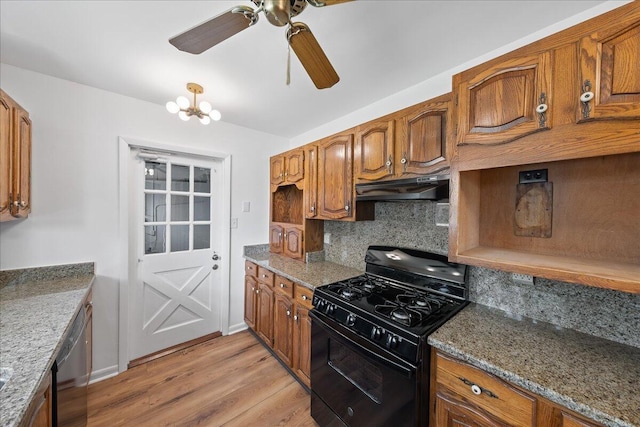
103,374
237,328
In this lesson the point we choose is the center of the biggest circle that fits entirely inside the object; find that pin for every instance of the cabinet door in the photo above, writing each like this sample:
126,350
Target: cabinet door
609,74
276,239
250,288
6,185
302,344
374,150
294,163
293,242
335,177
265,314
22,163
283,328
277,169
423,139
456,413
311,182
498,105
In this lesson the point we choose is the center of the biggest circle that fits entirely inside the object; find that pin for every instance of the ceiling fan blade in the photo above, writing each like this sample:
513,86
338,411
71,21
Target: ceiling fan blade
311,55
322,3
208,34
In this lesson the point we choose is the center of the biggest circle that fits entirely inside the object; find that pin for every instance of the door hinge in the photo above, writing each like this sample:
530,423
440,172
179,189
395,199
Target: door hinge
456,101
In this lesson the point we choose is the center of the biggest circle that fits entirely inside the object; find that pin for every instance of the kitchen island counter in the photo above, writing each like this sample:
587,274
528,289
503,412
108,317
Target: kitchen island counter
37,307
592,376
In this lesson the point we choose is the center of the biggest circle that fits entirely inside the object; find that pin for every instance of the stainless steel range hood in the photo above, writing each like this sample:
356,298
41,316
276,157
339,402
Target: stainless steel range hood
429,187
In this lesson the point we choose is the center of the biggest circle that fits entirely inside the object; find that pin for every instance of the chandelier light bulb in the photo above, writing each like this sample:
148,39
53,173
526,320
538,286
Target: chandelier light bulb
184,116
172,107
205,107
215,115
182,102
205,120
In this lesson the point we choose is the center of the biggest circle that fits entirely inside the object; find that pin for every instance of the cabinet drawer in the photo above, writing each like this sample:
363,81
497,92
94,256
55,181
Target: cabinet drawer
250,269
284,286
265,276
304,296
486,391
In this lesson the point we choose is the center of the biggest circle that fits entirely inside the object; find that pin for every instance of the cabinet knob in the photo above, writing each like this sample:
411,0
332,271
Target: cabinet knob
476,389
304,297
389,163
295,317
288,313
541,109
585,98
282,285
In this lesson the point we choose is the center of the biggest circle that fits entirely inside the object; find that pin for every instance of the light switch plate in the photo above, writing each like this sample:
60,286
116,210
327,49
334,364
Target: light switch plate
246,206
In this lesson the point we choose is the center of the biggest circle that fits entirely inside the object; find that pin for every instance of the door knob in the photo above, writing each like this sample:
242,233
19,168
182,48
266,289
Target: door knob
215,257
215,266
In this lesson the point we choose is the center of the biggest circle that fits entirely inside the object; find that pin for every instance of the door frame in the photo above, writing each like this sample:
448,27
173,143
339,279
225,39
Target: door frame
127,243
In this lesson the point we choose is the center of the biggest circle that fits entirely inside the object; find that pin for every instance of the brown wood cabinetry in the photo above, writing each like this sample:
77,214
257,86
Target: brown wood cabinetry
287,168
264,305
283,320
15,160
465,395
591,151
414,141
39,413
302,334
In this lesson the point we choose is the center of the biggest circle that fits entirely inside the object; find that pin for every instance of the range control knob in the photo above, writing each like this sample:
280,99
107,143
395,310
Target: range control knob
392,341
330,308
376,333
351,320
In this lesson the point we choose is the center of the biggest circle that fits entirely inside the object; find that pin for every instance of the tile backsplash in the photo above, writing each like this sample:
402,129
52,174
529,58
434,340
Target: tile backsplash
601,312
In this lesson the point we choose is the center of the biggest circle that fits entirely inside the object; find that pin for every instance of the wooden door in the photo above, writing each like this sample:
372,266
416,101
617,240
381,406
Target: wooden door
374,151
283,328
22,163
250,306
302,344
265,314
335,177
455,413
277,170
293,238
610,76
6,153
499,103
276,245
311,182
294,166
423,138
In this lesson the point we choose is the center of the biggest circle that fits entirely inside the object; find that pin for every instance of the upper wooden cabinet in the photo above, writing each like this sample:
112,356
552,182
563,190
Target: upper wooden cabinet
287,168
15,160
335,177
573,94
414,141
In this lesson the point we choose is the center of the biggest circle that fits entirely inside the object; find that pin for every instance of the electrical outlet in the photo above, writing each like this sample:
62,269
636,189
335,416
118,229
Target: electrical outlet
538,175
522,279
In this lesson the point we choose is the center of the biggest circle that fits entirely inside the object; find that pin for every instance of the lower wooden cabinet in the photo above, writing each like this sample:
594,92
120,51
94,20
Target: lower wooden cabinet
39,413
464,395
279,314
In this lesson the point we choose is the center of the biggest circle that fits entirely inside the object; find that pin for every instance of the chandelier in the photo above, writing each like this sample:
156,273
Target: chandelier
186,110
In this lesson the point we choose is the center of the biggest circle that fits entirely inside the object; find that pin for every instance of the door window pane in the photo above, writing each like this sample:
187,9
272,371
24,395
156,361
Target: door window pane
179,238
155,207
201,180
155,176
201,236
154,239
201,208
179,178
179,208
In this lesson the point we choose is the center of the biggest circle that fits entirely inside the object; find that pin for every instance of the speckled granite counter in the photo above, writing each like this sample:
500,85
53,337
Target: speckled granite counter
309,274
592,376
37,307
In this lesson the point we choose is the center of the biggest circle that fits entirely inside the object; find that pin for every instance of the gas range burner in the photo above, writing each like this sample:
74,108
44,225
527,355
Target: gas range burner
421,302
402,314
356,288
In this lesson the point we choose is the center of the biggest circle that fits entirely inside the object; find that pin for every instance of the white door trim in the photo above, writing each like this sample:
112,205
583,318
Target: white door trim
126,244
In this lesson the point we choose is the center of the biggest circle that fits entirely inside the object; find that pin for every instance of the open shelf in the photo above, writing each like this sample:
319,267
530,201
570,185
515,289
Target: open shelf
595,229
287,205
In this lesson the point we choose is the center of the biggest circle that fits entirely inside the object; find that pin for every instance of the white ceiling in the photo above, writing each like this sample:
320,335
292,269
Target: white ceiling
377,47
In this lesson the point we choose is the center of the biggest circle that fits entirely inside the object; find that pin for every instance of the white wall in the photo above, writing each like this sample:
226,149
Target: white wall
75,186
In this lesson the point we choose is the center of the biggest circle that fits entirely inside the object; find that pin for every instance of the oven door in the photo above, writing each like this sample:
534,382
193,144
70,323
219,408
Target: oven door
355,383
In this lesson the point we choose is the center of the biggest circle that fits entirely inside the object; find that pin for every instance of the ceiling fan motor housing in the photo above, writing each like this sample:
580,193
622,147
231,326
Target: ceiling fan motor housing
279,12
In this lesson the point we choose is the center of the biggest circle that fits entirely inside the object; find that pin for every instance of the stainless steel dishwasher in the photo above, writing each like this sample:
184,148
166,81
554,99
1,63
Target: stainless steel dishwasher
71,376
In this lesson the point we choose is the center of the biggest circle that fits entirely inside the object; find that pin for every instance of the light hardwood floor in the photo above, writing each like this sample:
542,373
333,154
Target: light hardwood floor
228,381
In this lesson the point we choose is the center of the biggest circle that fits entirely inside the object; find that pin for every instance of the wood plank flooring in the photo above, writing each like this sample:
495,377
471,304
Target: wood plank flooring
228,381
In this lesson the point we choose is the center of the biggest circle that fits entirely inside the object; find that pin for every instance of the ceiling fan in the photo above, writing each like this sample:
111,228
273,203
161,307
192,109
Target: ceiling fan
279,13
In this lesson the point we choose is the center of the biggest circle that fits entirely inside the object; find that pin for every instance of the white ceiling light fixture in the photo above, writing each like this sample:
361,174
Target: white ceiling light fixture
204,112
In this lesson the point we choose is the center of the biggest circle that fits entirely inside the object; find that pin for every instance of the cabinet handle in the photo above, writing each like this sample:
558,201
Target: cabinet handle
541,109
295,317
313,207
585,98
403,161
285,235
476,389
288,313
347,207
257,291
389,163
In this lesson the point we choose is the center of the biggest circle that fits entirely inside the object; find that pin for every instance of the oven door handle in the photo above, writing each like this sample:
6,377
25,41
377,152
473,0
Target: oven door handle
356,343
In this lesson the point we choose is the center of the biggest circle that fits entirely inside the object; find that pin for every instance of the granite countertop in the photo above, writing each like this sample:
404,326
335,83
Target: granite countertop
309,274
37,307
591,376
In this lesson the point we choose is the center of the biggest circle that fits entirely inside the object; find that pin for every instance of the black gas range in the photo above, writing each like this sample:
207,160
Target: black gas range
370,357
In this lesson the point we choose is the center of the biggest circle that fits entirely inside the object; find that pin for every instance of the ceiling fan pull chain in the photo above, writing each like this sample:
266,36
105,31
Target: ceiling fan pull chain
288,62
